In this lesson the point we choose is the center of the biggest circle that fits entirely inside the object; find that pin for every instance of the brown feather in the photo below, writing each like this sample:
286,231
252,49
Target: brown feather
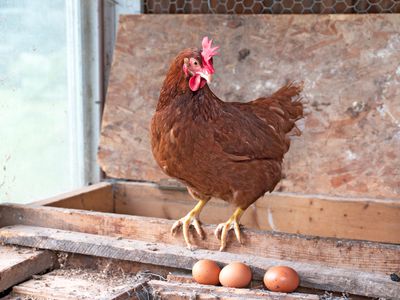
227,150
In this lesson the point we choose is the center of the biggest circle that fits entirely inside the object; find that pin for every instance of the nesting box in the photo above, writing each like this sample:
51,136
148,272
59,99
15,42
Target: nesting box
335,217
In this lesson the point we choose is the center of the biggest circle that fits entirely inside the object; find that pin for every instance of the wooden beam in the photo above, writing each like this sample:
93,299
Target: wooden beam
71,284
312,275
18,264
327,251
199,291
98,197
350,218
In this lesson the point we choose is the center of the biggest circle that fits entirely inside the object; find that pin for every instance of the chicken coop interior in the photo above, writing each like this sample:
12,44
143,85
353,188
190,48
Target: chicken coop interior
175,149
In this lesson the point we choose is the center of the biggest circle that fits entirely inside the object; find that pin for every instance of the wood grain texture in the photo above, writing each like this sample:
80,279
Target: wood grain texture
18,264
181,277
351,218
199,291
352,81
312,275
105,264
72,284
97,197
327,251
186,277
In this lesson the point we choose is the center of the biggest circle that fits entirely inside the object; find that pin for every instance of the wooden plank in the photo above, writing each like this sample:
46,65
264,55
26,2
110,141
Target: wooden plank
353,218
199,291
327,251
98,197
103,264
350,142
186,277
71,284
180,277
9,297
18,264
312,275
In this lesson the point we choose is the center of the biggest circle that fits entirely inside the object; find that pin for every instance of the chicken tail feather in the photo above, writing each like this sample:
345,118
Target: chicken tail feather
288,99
283,108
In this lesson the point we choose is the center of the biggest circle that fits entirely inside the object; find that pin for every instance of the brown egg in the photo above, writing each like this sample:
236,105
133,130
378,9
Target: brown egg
236,274
281,279
206,272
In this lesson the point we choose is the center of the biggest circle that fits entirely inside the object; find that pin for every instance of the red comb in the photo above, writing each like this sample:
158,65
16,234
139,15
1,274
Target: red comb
208,52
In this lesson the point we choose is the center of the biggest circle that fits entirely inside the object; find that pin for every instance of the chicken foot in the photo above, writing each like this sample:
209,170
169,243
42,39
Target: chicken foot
222,229
192,218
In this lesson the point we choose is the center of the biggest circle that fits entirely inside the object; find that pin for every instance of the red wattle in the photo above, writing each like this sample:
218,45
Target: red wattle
194,82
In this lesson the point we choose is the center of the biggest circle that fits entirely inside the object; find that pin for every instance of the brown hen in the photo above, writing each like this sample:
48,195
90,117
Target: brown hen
227,150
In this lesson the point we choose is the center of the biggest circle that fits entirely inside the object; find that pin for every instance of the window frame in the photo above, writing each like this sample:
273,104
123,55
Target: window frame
91,34
85,87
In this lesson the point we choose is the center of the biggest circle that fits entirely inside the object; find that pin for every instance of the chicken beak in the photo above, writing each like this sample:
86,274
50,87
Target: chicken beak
207,76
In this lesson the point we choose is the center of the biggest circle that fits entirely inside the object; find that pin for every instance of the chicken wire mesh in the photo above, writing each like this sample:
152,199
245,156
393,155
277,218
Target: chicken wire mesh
271,6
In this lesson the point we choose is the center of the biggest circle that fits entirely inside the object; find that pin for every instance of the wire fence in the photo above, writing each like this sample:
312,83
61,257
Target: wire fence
271,6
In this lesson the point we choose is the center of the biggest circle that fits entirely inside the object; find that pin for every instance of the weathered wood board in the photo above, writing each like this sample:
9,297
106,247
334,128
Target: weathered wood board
350,65
362,218
203,292
354,218
79,284
97,197
18,264
312,275
106,264
327,251
186,277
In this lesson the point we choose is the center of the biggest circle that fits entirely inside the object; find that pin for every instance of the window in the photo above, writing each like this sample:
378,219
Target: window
51,92
34,117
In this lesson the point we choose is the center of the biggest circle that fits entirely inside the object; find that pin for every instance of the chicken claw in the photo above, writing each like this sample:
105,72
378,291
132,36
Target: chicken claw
185,223
221,232
192,218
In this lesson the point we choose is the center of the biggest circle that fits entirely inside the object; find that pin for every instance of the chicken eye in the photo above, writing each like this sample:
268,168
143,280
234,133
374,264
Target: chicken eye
195,63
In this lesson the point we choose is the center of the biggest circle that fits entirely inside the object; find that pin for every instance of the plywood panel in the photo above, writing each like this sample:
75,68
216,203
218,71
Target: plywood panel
352,81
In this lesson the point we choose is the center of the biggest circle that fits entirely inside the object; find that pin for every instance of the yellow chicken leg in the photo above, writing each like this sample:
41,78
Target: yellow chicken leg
191,218
222,229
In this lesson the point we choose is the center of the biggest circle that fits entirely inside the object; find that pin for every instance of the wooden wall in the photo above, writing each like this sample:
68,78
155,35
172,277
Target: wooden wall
350,65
